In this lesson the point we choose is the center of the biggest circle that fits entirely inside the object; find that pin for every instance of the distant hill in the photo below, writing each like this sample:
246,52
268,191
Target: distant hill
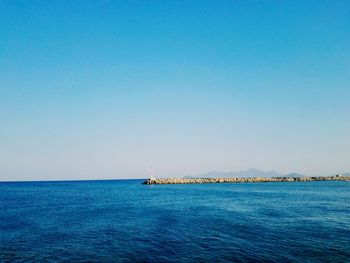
245,173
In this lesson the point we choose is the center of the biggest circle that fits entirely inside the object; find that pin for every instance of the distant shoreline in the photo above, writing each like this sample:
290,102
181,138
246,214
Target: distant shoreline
244,180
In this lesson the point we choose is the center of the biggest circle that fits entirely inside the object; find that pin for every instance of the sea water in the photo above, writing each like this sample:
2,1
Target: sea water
125,221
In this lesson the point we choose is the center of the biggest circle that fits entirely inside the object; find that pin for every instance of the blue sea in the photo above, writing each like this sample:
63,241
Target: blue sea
125,221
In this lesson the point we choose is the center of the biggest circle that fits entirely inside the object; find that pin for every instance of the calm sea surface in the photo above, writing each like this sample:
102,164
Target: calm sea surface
124,221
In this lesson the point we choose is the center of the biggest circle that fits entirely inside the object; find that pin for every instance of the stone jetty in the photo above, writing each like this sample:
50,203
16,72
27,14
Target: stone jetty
244,180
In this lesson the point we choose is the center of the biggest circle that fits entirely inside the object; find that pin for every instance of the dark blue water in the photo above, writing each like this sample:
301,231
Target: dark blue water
124,221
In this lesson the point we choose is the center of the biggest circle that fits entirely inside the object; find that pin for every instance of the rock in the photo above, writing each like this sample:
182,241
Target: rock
244,180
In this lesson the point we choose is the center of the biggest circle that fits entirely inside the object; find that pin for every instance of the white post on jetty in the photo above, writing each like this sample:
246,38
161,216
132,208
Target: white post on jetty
151,174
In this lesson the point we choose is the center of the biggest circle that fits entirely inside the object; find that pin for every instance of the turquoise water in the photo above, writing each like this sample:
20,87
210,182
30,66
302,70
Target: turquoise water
124,221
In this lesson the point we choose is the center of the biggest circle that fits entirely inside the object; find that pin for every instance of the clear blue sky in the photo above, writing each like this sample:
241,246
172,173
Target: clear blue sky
105,89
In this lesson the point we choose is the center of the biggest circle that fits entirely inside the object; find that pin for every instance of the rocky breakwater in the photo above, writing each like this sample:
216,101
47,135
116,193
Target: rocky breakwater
244,180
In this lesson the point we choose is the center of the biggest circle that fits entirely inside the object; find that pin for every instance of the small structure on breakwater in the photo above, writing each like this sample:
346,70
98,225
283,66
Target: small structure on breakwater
244,180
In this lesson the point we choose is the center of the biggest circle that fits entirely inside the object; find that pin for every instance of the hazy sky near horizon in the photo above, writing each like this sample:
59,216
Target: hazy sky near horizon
106,89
